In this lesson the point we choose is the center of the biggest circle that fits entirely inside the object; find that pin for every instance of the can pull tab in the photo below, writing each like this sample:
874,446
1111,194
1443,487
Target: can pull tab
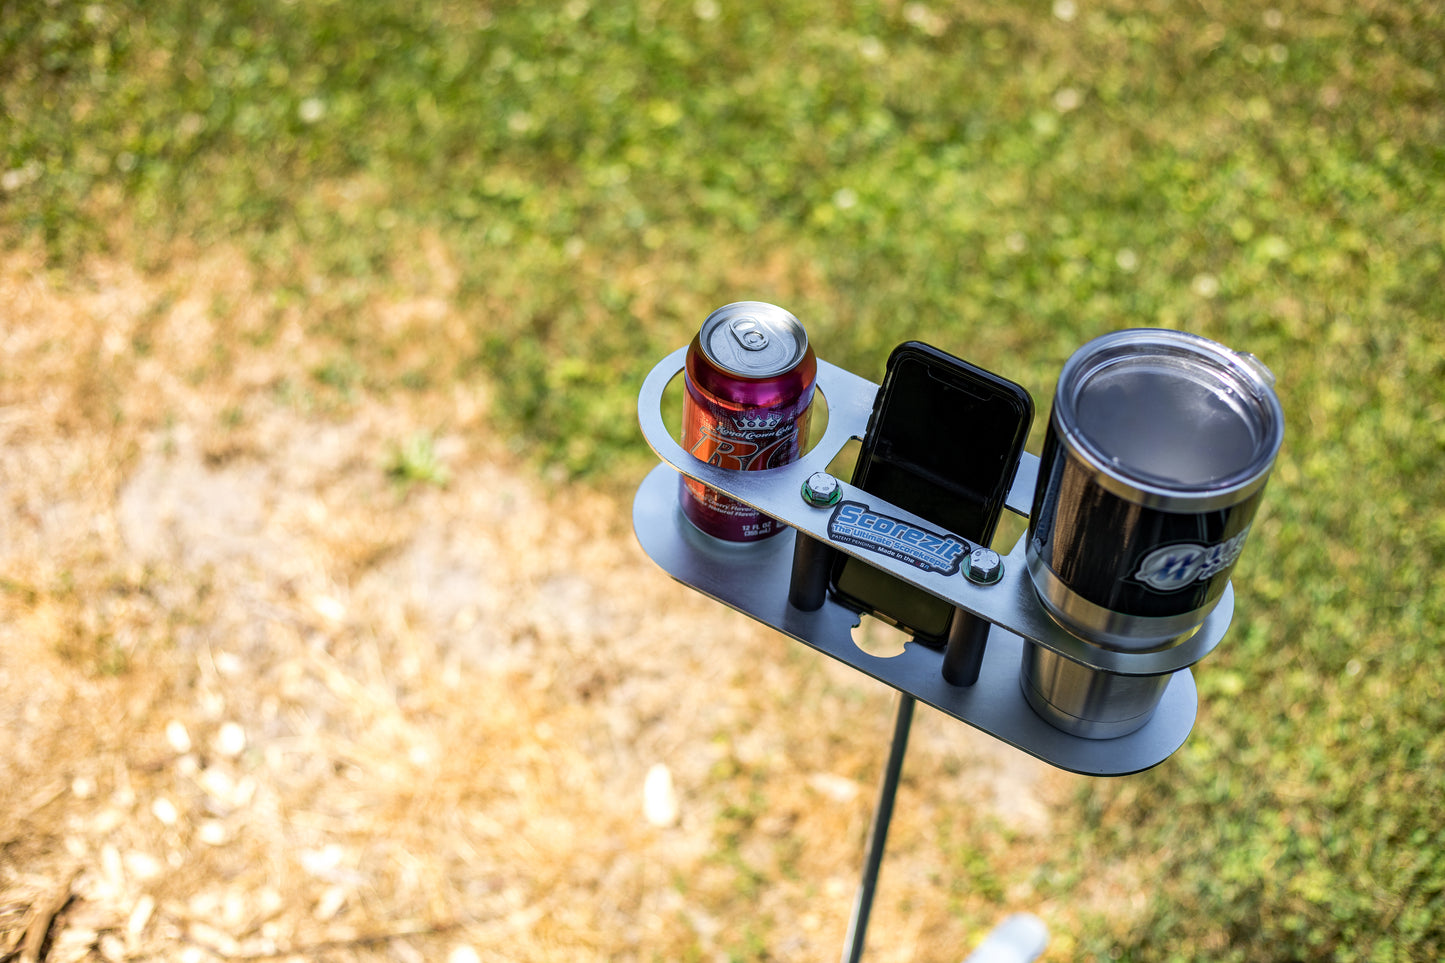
749,334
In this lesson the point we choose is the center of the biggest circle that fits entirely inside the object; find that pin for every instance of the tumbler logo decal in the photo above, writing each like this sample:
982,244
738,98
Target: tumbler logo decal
1174,567
854,524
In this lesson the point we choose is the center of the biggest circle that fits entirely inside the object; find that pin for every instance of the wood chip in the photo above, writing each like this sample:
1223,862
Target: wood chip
42,915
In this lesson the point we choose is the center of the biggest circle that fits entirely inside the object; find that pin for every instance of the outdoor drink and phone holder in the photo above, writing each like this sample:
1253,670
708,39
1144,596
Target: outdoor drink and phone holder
782,582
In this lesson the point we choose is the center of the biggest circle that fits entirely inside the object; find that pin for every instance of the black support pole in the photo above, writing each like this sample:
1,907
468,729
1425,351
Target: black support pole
878,835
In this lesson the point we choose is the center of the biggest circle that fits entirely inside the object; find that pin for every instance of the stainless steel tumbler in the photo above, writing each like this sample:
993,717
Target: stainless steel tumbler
1158,449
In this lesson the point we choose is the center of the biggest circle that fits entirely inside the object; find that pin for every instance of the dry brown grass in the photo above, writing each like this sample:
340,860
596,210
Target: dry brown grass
256,702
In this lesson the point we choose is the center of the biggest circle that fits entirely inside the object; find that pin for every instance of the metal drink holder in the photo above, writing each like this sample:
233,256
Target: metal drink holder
756,579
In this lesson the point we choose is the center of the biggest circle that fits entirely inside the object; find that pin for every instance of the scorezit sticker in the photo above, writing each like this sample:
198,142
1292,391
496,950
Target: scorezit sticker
853,523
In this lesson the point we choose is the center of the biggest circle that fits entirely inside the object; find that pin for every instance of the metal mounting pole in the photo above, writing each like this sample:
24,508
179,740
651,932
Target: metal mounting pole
878,834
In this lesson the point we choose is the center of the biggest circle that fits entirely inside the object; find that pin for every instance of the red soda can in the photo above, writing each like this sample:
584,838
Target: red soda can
749,375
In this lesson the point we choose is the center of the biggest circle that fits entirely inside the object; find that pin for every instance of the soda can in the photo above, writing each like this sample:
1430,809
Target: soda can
1157,453
749,379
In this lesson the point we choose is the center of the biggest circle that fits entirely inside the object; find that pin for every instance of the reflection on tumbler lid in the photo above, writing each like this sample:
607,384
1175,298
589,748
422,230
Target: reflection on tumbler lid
1171,410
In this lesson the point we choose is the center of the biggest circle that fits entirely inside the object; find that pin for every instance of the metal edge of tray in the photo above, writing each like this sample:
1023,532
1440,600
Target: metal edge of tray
753,579
1010,603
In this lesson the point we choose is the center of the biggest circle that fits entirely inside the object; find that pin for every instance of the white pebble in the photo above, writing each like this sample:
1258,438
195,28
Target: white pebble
837,788
212,832
111,866
141,866
178,737
329,608
323,862
231,740
111,948
330,903
140,916
165,811
659,797
217,784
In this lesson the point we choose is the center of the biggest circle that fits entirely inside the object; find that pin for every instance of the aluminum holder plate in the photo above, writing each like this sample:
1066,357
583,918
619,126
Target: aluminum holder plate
1010,602
753,578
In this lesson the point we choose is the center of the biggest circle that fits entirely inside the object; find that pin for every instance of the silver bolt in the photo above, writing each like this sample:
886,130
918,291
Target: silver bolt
822,490
984,566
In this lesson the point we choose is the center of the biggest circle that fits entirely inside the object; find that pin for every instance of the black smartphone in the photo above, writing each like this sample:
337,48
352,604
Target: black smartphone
943,442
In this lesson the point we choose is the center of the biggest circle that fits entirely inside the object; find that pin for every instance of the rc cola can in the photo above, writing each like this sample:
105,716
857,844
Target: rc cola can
749,377
1158,449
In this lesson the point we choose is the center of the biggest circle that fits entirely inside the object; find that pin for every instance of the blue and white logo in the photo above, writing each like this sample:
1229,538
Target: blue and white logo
1174,567
854,524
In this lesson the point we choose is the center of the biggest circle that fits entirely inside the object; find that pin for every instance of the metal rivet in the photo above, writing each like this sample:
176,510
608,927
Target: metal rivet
984,566
822,490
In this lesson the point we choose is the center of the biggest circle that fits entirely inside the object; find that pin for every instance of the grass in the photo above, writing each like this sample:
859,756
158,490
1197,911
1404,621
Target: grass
415,461
584,182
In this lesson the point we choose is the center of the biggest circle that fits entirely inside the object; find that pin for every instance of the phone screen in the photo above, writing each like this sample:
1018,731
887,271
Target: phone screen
943,443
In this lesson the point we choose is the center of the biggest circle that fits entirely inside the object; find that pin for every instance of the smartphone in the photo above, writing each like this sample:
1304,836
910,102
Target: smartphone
943,442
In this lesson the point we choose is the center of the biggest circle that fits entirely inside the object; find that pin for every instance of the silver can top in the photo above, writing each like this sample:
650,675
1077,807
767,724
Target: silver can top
1169,417
753,339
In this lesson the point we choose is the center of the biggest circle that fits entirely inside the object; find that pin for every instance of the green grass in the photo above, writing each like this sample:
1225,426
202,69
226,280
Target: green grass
1004,181
415,461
